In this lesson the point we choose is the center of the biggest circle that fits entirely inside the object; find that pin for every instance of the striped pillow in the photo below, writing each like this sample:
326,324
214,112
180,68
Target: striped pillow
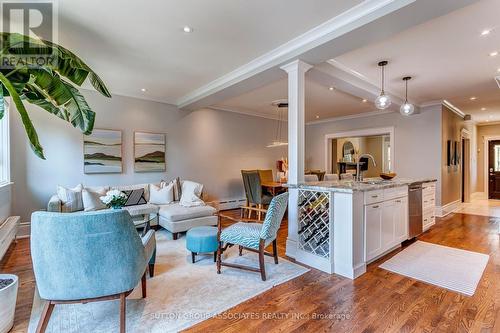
71,199
135,197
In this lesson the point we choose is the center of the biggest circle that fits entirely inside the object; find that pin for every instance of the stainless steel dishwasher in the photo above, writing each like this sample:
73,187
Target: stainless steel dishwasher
415,210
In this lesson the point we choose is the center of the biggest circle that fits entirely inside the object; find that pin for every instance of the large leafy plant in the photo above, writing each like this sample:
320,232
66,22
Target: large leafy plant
51,86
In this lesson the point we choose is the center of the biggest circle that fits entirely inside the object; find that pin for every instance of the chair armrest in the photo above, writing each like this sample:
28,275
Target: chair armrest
149,242
54,205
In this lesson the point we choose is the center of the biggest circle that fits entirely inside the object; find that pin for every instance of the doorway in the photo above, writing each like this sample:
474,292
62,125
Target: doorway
494,169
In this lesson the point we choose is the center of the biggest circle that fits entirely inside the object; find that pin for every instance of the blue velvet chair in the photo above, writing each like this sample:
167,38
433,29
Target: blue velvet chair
87,257
253,236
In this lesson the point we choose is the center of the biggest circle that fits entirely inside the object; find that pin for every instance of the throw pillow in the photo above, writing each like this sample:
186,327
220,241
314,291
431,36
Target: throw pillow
92,201
177,187
161,196
191,194
71,198
135,197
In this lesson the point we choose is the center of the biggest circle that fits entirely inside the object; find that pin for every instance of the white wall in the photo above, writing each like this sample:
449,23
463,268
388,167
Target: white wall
5,202
206,146
417,142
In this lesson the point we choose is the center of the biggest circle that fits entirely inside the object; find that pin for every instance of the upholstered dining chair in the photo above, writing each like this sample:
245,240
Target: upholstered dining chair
88,257
253,236
253,190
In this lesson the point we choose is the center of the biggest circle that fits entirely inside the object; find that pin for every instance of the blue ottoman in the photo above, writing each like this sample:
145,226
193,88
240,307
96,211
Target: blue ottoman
202,240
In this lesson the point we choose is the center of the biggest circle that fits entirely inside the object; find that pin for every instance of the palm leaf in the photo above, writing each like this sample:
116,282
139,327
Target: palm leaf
28,125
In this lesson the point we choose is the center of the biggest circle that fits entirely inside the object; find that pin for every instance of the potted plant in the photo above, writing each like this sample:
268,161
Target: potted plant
8,297
114,199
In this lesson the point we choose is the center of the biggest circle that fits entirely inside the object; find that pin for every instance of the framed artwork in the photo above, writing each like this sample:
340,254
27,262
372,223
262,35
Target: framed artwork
149,152
448,153
102,152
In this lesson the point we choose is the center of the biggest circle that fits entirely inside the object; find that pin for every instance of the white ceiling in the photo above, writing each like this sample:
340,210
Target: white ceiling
321,103
144,42
448,58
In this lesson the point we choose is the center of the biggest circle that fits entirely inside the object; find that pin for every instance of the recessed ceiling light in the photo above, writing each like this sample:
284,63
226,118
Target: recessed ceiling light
485,32
331,88
187,29
498,70
487,120
143,89
473,98
494,54
483,109
317,117
364,100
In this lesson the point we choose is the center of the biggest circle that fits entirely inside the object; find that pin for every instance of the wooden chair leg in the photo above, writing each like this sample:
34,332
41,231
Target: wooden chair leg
151,270
275,252
219,259
259,214
123,312
240,250
215,256
261,260
175,235
45,317
143,283
193,257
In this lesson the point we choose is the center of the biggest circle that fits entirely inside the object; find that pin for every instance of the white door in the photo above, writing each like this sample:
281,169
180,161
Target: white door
388,218
401,220
373,230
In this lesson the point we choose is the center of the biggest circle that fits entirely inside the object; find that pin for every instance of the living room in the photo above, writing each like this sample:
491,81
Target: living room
220,185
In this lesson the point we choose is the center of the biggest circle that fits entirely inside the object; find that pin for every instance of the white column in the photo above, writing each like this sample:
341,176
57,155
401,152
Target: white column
296,143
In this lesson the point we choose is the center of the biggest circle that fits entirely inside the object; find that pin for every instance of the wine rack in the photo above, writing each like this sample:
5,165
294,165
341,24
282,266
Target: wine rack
314,222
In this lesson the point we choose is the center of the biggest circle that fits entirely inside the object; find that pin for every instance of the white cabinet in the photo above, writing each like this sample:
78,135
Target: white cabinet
428,205
386,222
373,230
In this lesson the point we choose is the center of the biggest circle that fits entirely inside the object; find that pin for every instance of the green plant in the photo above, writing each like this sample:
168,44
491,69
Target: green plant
49,86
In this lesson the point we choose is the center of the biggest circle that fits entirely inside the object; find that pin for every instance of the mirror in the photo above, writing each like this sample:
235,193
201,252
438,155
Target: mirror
348,151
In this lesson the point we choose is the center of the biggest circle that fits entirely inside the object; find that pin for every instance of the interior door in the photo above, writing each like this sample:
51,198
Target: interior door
494,170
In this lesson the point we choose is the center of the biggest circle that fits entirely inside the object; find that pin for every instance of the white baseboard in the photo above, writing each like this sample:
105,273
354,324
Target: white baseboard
442,211
291,248
227,204
479,196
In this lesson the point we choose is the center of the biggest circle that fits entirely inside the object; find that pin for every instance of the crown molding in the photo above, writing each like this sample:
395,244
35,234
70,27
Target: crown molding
355,17
244,112
454,109
353,116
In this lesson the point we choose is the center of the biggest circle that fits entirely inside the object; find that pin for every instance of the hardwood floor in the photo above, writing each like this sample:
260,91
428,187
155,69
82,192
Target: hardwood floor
378,301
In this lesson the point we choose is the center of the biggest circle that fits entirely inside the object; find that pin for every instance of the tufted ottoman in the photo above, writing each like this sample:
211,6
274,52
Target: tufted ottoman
202,240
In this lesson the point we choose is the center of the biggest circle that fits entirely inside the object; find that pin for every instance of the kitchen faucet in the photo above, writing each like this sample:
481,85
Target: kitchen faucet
359,173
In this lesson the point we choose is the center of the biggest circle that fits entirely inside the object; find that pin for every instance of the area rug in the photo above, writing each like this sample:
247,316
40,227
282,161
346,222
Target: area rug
446,267
181,294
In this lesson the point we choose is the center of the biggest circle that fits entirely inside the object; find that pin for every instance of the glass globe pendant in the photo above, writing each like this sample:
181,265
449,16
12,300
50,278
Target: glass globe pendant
383,101
407,108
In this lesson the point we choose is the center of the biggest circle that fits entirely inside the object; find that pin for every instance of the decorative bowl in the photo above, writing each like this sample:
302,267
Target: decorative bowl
387,176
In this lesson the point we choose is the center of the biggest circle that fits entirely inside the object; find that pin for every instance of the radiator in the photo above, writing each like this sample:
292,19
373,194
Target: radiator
8,231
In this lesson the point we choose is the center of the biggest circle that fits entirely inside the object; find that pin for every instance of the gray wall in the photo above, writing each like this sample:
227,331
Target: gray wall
206,146
417,141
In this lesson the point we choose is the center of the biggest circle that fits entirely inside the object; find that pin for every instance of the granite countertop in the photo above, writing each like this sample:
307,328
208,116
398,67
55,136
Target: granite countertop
369,184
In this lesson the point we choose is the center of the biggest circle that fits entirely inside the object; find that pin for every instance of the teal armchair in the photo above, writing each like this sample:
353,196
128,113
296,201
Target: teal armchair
253,236
88,256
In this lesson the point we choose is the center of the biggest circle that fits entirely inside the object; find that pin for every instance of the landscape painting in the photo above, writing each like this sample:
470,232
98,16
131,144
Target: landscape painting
103,151
149,152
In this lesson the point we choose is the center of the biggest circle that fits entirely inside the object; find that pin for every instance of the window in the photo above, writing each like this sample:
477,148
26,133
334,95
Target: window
5,148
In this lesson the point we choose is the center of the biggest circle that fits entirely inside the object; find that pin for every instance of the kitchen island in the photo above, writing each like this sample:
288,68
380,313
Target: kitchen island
343,225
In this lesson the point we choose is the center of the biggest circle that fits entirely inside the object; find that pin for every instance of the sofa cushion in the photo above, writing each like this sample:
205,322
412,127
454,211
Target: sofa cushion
142,209
71,198
175,212
92,200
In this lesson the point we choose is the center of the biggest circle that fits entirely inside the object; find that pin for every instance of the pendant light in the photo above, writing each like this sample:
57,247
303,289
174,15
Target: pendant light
383,101
407,108
280,108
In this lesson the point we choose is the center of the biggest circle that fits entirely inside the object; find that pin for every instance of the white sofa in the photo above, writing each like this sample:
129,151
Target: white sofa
173,217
